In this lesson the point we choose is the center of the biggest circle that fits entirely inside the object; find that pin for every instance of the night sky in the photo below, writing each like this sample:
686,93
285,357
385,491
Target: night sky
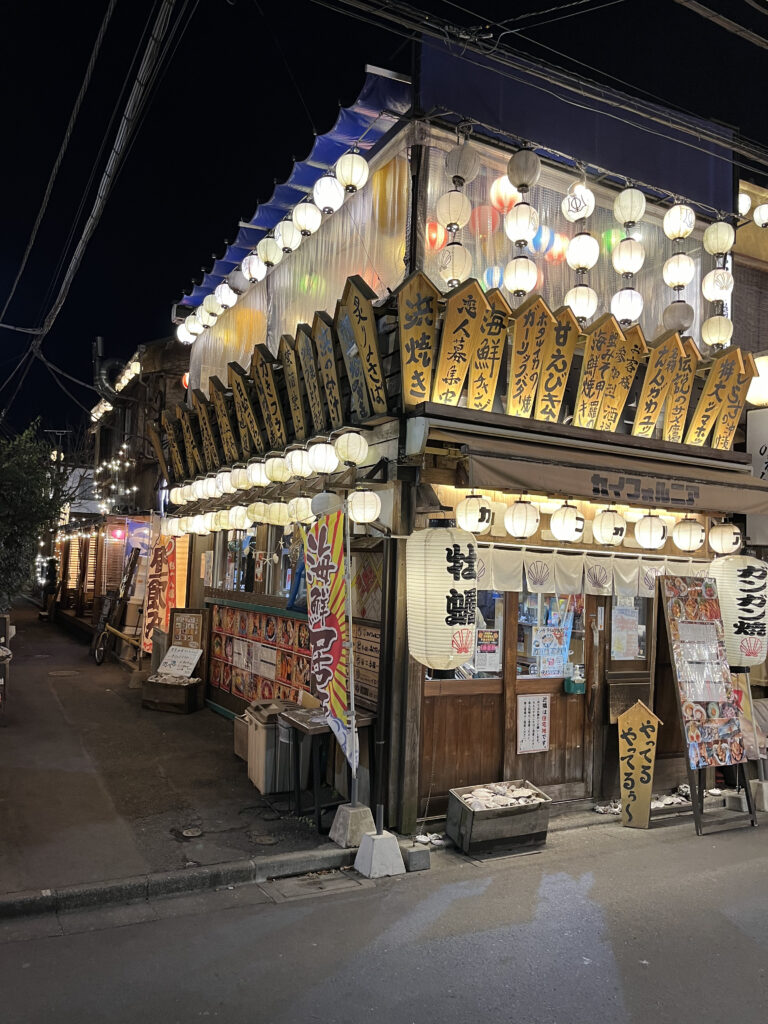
225,120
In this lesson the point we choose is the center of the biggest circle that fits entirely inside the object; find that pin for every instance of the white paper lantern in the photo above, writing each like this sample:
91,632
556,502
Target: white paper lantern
198,488
441,588
298,463
352,448
678,270
455,264
210,486
520,275
210,521
742,584
277,469
300,509
725,538
717,285
212,305
198,526
257,511
453,210
176,497
582,300
225,296
352,171
473,513
609,527
760,215
628,256
629,207
323,458
689,534
578,204
204,317
257,474
462,164
238,282
364,506
185,525
521,520
719,238
717,330
193,325
679,221
222,519
627,305
678,316
254,267
288,236
524,169
583,251
188,490
567,523
307,218
277,514
651,532
238,518
745,204
269,251
173,528
521,223
240,479
328,194
184,335
224,481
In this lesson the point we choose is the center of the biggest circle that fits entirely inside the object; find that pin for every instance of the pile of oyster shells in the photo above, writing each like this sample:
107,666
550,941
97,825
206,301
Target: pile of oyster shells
500,794
171,680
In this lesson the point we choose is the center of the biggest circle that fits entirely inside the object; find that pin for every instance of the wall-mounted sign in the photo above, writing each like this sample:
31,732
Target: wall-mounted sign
358,300
359,401
489,354
730,412
619,377
556,359
417,310
191,434
533,720
157,447
723,375
269,401
323,335
208,430
172,429
220,399
665,355
293,385
680,391
604,339
251,435
532,334
465,311
306,353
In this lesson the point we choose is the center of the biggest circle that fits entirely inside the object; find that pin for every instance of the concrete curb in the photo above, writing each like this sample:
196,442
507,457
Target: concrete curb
171,883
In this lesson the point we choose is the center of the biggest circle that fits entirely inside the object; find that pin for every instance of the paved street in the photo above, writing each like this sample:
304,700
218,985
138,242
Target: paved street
604,925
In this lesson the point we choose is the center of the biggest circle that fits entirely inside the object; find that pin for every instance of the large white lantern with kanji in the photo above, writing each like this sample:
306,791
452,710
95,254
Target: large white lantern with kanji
441,577
742,586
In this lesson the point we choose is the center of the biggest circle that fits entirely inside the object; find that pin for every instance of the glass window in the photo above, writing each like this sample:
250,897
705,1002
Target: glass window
629,634
550,635
488,659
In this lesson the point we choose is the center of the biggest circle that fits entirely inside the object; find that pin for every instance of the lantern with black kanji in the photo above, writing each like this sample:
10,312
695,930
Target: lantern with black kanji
742,586
441,574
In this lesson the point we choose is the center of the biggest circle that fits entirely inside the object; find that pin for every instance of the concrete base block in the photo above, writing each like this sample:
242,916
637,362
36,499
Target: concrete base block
760,792
416,858
350,825
379,856
736,801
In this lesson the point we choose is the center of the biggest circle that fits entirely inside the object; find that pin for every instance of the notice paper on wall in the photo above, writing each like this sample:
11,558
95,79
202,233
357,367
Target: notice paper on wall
624,633
532,723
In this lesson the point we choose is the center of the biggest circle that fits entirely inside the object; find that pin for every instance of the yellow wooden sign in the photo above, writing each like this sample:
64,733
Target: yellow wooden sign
680,391
417,309
465,311
323,336
723,374
305,350
638,732
556,358
360,403
173,433
488,357
358,298
191,444
620,377
532,333
269,400
290,363
603,339
665,353
251,435
730,413
157,447
208,430
218,394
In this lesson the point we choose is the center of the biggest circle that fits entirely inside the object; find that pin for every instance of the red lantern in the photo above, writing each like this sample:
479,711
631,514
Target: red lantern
483,221
436,236
185,381
503,194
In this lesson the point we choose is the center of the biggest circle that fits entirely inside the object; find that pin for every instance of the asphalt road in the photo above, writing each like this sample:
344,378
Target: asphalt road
604,925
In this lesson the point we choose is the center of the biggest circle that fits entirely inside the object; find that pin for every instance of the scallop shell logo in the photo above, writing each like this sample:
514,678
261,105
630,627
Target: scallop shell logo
751,647
598,576
649,578
481,568
462,640
538,573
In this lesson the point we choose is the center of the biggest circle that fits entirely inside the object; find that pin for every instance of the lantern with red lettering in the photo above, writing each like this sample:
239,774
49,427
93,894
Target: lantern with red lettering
742,586
441,572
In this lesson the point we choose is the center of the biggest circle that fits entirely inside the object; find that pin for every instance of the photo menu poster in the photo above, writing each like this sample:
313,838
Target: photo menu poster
258,655
710,698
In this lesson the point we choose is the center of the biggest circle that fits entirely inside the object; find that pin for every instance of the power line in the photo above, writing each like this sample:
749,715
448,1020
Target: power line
730,26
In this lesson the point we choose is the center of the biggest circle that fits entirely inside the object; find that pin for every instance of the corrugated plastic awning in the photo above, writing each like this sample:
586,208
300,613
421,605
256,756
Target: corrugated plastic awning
384,98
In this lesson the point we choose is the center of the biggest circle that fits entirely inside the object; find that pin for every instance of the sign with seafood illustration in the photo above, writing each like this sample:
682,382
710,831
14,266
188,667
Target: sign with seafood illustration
710,704
638,732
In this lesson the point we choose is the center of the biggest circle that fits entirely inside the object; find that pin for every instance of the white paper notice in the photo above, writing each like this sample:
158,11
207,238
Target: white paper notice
532,723
180,661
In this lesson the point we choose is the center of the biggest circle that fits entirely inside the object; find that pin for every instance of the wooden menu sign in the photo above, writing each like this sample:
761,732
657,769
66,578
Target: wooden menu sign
251,434
208,432
620,376
417,310
357,299
730,413
465,311
638,732
218,394
157,447
269,402
172,430
604,338
488,356
666,352
556,359
366,645
723,375
533,331
680,390
323,336
359,401
287,355
306,352
191,446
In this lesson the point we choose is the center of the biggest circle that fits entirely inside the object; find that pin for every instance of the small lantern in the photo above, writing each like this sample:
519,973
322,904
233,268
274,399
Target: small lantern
352,448
524,169
520,275
224,481
204,317
689,534
225,295
238,518
582,301
627,305
742,583
628,256
678,270
240,479
567,523
455,264
679,222
719,238
579,203
725,538
277,514
521,520
678,316
629,207
323,458
288,236
328,193
717,330
198,488
609,527
760,215
184,335
651,532
717,285
503,194
210,486
453,210
277,469
193,325
745,204
326,502
435,236
352,170
209,520
212,305
473,513
222,519
188,491
364,506
300,510
269,251
583,251
521,223
298,463
257,511
254,267
462,164
307,218
257,474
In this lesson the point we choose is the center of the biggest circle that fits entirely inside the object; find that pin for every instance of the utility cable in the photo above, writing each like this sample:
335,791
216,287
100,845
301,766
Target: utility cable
289,70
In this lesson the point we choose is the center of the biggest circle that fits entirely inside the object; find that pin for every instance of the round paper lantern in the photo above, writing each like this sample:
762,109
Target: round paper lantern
583,301
521,223
627,305
628,256
455,264
441,589
435,236
328,194
453,210
567,523
725,538
225,295
188,491
745,204
307,217
184,335
300,509
578,204
462,163
288,236
298,463
173,528
269,251
277,514
473,513
193,325
520,275
719,238
199,488
257,511
352,448
222,519
364,506
240,479
629,207
176,496
678,270
679,222
609,527
352,170
257,474
238,518
277,470
678,316
503,194
717,285
210,521
493,277
212,305
717,330
651,532
543,240
521,520
689,534
559,248
742,583
583,251
325,502
483,221
524,169
760,215
211,490
254,267
323,458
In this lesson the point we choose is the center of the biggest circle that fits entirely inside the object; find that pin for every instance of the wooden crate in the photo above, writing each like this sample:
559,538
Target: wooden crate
497,828
181,699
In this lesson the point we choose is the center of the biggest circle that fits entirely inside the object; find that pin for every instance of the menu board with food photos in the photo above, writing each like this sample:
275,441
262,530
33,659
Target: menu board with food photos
258,655
710,696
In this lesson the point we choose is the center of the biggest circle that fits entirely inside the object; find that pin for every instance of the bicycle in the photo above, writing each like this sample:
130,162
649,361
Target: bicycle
105,643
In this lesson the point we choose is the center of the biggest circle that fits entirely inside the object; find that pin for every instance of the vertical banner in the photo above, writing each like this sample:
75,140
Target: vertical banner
160,593
328,626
